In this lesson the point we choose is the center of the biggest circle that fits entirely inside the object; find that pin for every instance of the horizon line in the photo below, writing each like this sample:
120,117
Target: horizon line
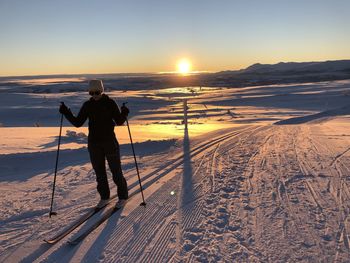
160,72
115,73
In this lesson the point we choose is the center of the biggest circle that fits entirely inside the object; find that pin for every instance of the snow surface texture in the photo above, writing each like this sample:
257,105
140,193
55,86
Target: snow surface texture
222,182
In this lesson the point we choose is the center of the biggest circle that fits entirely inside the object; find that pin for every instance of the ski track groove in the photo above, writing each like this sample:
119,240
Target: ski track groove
159,252
197,193
311,190
212,166
153,176
339,178
221,180
337,198
153,220
206,147
249,171
249,156
294,227
278,155
316,150
192,215
341,236
197,170
307,171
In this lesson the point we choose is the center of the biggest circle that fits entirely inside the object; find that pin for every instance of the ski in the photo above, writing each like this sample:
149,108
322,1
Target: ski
86,232
92,211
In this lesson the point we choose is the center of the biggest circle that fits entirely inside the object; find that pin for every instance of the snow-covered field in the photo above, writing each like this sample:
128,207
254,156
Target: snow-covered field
256,174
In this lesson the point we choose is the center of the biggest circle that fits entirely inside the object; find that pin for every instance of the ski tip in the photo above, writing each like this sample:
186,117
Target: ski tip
48,241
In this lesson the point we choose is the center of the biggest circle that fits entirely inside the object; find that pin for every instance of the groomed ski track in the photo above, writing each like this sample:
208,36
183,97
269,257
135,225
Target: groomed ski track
250,194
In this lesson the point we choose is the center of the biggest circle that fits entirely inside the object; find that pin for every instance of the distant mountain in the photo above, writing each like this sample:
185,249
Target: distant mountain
280,73
302,67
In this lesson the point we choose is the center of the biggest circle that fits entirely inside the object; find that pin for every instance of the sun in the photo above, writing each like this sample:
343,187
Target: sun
184,66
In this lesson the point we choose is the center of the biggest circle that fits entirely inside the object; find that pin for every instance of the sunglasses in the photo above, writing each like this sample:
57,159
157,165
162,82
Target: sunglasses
92,93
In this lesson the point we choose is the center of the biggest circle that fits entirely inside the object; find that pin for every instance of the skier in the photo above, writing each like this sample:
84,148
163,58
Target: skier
103,114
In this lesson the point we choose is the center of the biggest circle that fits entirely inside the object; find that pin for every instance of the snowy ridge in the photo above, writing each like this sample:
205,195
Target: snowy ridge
325,115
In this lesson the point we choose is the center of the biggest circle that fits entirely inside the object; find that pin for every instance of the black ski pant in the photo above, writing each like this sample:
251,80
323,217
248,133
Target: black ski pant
99,152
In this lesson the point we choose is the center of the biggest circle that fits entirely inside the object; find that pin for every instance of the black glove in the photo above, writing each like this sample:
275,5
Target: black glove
64,109
124,110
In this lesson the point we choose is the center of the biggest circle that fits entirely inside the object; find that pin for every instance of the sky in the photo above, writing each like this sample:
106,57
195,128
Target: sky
41,37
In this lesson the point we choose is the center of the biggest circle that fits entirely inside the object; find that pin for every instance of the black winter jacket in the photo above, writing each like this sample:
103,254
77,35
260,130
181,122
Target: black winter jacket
103,115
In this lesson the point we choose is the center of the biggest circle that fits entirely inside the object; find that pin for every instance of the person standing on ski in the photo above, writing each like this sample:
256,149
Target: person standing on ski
103,114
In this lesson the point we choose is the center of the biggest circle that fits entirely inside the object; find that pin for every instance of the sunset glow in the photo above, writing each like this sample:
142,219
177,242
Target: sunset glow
184,66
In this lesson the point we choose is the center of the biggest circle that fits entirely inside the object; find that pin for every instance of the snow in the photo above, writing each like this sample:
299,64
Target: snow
225,179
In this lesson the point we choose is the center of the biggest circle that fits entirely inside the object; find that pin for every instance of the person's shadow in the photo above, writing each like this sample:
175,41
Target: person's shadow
187,192
187,184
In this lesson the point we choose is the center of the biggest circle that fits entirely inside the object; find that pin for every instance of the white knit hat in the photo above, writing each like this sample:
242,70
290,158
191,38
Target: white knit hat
96,85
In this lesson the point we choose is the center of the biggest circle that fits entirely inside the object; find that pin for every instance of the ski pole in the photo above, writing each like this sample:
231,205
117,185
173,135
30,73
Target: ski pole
54,179
137,168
